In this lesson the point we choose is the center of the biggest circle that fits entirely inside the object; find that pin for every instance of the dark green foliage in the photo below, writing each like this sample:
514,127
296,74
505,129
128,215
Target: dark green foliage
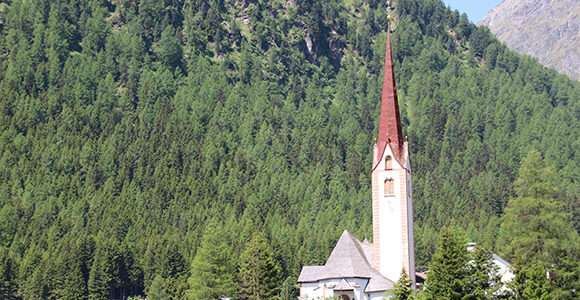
536,229
7,272
484,280
126,126
456,273
531,282
403,290
449,275
8,223
479,40
168,48
259,271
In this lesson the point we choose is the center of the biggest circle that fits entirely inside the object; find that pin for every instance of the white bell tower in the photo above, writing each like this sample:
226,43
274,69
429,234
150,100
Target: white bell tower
392,196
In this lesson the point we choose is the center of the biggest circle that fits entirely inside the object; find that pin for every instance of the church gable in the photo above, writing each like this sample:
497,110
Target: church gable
387,160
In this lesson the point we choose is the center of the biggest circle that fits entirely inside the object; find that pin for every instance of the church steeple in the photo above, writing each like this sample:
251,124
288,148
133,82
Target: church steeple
393,243
390,121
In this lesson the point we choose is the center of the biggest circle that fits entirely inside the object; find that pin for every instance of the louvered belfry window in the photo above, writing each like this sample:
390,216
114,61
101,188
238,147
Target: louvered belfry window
389,186
388,163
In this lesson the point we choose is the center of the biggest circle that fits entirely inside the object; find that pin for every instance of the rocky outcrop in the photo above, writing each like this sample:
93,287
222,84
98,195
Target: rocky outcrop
546,29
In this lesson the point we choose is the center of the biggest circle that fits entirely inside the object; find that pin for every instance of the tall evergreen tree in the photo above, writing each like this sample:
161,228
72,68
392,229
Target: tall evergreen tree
448,276
168,48
213,270
536,230
403,290
259,276
7,273
484,280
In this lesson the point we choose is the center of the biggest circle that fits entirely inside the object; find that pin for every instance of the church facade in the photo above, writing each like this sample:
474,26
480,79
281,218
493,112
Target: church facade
364,270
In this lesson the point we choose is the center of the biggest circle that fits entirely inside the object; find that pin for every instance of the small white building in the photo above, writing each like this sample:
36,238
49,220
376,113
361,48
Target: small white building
347,274
504,269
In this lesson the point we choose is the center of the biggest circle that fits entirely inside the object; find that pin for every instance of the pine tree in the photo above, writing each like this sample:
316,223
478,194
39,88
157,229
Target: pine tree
73,284
100,278
448,277
168,49
259,276
403,290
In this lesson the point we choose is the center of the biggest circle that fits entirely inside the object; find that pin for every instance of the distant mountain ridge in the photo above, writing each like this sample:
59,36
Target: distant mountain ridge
547,30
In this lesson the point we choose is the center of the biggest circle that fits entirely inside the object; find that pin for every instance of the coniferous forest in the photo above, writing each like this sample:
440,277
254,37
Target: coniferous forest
180,148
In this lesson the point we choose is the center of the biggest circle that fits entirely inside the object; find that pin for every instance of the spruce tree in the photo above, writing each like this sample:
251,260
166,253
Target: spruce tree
484,280
259,276
403,290
100,278
448,277
7,273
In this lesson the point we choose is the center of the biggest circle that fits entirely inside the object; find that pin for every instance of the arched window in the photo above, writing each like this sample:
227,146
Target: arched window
389,186
388,163
344,297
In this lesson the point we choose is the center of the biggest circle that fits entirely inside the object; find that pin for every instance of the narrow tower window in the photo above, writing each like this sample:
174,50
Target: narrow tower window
388,163
389,186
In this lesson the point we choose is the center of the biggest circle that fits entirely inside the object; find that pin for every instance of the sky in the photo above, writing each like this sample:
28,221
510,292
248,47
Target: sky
475,9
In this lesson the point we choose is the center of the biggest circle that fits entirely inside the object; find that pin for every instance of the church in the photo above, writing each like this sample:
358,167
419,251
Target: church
364,270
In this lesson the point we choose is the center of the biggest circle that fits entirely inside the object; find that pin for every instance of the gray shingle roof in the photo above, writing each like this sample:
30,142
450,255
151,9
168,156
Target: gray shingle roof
350,258
311,273
379,283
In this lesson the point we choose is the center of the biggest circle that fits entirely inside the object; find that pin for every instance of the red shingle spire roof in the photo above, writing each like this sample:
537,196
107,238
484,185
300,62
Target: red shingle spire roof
390,121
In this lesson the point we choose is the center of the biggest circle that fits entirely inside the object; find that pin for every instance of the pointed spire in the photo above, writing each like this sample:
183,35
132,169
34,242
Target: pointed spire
390,121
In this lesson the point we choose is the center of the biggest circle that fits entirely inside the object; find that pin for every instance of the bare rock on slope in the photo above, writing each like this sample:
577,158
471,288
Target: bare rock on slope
546,29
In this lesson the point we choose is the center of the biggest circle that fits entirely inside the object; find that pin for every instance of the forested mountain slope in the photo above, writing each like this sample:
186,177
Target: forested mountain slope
127,127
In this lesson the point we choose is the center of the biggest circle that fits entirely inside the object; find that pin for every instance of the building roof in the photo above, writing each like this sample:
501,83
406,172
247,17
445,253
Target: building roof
343,285
390,120
311,273
349,259
379,283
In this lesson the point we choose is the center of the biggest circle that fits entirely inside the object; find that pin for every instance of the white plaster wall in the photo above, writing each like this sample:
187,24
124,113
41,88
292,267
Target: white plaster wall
359,292
316,290
310,290
411,228
391,256
380,296
504,269
388,152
